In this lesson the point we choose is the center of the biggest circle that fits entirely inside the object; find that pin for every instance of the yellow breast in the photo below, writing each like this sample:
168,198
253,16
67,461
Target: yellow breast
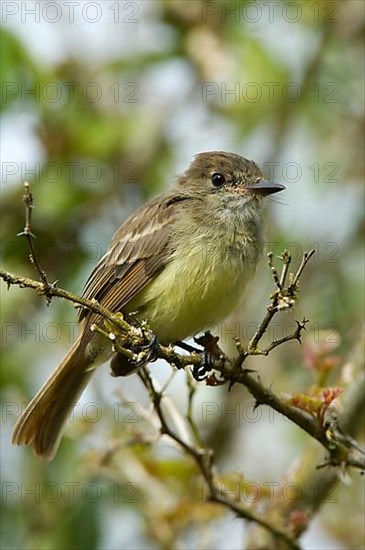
197,289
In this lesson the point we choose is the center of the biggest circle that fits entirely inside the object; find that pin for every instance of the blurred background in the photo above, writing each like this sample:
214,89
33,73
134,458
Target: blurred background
103,104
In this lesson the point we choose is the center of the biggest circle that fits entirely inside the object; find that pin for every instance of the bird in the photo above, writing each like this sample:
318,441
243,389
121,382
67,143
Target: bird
181,262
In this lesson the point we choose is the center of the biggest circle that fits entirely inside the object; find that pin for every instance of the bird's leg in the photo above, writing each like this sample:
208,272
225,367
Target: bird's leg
210,352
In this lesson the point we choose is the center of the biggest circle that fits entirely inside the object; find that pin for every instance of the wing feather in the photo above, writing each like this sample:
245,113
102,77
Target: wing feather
138,252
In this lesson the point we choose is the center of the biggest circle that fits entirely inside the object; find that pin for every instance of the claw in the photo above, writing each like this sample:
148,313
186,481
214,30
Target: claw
153,343
149,351
122,365
200,372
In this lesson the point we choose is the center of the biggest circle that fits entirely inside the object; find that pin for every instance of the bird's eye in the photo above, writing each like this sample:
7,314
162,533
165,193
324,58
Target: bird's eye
218,180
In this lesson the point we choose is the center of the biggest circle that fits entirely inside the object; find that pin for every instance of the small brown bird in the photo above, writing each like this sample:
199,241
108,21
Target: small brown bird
181,262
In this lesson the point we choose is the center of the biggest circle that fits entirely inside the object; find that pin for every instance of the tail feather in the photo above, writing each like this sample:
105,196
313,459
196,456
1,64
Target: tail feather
42,421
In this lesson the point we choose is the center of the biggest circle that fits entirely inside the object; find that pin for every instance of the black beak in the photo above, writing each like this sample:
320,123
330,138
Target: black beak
264,187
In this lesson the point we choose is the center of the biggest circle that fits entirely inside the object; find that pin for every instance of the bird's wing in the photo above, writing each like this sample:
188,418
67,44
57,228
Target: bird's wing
138,252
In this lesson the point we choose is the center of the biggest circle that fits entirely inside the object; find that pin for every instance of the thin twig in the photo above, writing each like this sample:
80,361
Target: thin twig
283,298
191,383
27,233
305,259
286,259
295,335
91,305
203,458
116,344
274,272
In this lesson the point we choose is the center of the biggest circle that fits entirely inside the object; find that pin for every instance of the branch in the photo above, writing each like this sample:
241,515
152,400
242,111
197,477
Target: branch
27,233
282,299
231,369
203,458
317,484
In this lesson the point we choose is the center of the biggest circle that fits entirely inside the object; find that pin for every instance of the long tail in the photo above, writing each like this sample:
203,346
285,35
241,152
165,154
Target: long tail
42,421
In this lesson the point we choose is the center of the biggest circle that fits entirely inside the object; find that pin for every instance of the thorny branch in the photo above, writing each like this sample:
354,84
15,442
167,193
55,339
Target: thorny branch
231,369
127,338
27,233
282,299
